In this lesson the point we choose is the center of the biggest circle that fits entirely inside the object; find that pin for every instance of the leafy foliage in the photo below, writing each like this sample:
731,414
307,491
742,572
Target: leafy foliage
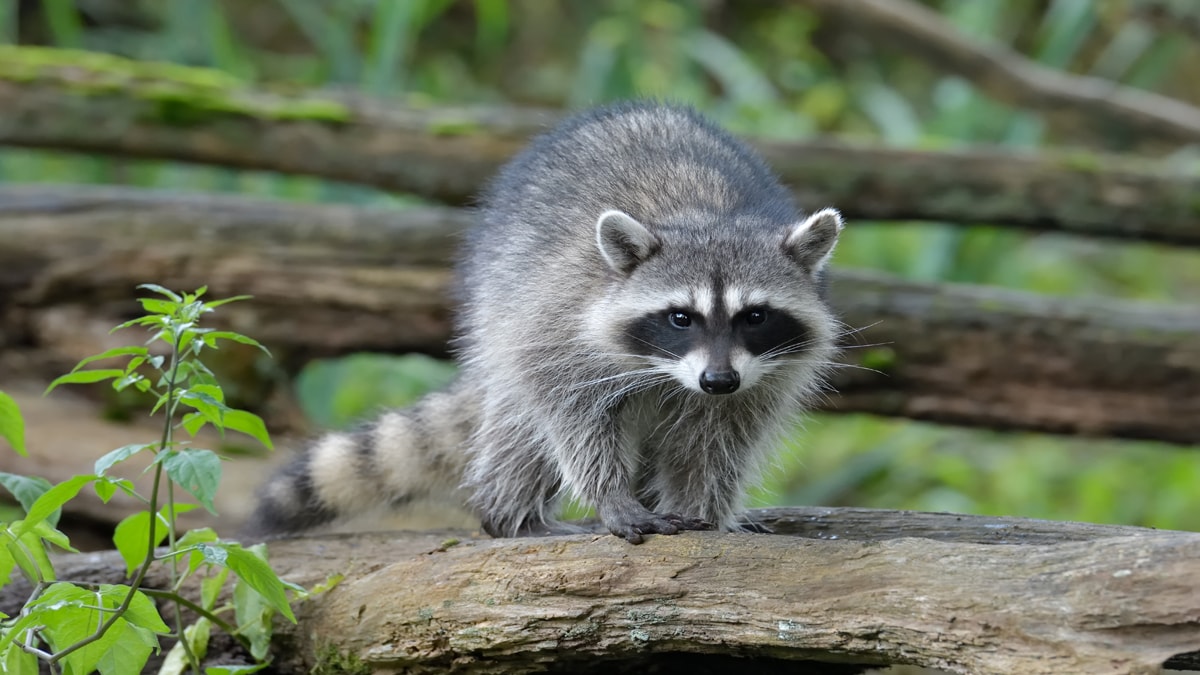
76,628
336,392
12,427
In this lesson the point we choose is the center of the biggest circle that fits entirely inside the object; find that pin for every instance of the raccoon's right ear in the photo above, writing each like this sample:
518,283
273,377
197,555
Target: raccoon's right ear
810,241
624,242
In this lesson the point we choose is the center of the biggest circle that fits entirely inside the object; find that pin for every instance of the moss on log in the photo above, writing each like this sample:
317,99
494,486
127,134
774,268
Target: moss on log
94,103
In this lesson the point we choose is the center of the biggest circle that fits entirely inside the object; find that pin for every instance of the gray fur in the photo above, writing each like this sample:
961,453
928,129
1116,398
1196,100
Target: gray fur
627,230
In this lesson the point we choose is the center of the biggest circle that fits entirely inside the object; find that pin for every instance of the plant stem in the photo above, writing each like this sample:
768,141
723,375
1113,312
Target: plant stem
216,620
158,471
193,662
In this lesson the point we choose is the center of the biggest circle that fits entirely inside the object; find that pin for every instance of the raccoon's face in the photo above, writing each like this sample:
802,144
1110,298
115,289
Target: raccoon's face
717,321
715,340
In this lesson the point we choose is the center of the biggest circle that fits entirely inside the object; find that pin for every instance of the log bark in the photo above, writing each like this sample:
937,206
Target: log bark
100,104
1042,598
1008,76
335,279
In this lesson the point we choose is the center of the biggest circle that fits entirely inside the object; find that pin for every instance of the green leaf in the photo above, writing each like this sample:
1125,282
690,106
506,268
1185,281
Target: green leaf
142,611
7,563
193,422
253,616
193,538
212,409
132,536
28,620
111,353
210,390
26,489
105,489
47,506
128,651
211,586
27,560
85,377
69,614
237,298
17,661
35,547
200,535
12,426
28,551
210,339
162,291
217,554
250,424
252,568
74,613
124,485
47,532
197,471
140,321
119,455
156,306
135,379
197,636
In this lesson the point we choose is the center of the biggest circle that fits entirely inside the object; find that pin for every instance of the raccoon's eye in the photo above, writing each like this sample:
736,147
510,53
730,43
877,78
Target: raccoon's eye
679,319
756,316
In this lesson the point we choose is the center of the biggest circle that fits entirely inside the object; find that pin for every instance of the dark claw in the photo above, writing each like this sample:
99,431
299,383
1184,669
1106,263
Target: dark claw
669,523
686,523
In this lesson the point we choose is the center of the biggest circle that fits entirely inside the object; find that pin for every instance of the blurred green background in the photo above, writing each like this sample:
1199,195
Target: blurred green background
767,68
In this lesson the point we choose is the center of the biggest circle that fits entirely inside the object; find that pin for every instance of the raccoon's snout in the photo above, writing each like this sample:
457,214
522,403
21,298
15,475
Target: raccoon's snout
720,381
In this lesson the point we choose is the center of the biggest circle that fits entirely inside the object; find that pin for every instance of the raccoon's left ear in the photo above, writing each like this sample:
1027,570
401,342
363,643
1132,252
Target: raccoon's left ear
624,242
810,242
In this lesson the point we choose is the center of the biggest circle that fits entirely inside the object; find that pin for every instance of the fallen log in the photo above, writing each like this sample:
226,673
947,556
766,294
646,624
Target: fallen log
1009,76
96,103
1067,598
335,279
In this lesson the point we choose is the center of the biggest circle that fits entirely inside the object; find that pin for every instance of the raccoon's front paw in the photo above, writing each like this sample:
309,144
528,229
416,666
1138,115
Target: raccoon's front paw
632,528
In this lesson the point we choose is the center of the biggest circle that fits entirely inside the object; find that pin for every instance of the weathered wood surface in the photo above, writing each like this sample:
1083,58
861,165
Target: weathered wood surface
107,105
335,279
1049,598
1114,111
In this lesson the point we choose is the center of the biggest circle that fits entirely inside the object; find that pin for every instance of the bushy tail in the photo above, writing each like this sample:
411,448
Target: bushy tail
401,457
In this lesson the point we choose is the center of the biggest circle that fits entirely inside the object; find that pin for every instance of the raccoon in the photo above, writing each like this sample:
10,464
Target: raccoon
641,317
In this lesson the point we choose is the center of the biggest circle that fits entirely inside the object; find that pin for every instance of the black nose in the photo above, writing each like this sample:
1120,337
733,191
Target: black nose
719,381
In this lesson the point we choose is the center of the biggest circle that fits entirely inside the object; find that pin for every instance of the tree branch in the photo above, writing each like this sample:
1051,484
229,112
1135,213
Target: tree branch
335,279
99,104
1073,598
1009,76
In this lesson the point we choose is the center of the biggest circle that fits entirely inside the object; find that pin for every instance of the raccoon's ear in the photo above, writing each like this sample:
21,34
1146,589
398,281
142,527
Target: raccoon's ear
624,242
810,242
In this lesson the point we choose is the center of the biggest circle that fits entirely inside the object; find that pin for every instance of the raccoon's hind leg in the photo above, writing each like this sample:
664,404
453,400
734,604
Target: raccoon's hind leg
400,457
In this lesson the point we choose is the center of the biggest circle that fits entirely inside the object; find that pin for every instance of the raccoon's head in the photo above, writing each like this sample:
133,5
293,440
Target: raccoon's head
717,307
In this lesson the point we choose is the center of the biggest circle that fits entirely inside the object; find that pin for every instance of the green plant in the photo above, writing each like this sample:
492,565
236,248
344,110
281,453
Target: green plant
77,628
